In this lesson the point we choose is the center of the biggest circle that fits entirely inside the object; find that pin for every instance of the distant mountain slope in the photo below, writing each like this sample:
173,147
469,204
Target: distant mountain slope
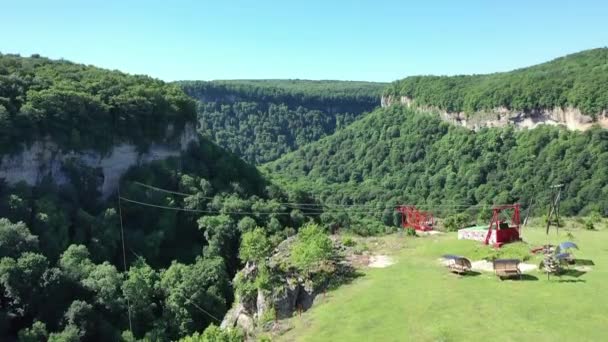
261,120
577,81
397,155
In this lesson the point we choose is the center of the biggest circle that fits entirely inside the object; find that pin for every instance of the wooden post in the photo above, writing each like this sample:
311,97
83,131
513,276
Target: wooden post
554,206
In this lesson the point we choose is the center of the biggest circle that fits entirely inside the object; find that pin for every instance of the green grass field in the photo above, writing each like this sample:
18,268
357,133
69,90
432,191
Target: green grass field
416,299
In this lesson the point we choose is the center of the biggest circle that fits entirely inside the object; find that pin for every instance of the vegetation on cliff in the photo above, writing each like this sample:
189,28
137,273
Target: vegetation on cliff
81,106
62,256
578,80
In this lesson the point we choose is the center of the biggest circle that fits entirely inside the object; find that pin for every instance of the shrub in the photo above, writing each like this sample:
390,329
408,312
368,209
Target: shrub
214,334
254,246
244,288
348,241
589,225
266,317
311,247
410,232
595,217
454,222
360,248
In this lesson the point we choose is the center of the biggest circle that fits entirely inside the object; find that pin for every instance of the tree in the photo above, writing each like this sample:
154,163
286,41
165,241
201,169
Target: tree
194,295
81,314
36,333
141,289
246,224
75,262
105,282
104,240
20,280
69,334
254,246
220,231
312,246
51,225
214,334
15,239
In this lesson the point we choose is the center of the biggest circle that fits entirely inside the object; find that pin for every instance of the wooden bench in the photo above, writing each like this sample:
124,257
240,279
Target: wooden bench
459,265
506,268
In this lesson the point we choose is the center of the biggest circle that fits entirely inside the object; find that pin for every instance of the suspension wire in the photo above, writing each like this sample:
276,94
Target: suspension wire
124,258
315,206
198,307
232,212
124,254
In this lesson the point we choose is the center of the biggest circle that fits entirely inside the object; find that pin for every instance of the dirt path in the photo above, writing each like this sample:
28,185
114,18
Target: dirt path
487,266
380,261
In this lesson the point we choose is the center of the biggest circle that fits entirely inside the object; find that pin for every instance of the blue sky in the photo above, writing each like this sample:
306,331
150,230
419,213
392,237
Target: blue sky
308,39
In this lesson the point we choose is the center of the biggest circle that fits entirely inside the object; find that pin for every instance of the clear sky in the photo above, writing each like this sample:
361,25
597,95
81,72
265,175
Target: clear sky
309,39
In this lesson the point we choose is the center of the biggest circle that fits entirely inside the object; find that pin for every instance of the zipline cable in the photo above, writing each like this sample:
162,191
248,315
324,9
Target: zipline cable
325,206
124,253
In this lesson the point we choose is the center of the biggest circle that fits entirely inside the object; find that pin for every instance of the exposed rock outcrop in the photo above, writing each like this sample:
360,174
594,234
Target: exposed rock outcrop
291,291
44,158
570,117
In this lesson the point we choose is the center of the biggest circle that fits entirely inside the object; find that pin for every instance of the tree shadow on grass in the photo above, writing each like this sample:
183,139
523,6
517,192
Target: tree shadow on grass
344,274
528,277
523,277
571,281
469,274
584,262
572,273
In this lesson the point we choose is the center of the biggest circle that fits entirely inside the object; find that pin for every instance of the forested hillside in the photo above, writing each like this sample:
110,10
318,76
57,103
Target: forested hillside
80,106
261,120
578,80
396,155
65,272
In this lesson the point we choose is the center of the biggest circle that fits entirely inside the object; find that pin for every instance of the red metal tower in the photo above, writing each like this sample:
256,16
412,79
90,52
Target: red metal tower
504,231
413,218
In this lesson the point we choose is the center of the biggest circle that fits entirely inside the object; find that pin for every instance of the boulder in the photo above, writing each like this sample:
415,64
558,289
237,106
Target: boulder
246,323
261,304
285,300
231,317
306,295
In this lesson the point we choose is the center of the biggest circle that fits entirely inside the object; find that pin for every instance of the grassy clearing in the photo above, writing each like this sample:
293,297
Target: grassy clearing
418,300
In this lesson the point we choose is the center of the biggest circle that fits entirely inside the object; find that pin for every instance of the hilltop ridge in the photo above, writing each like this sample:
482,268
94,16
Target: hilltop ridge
571,90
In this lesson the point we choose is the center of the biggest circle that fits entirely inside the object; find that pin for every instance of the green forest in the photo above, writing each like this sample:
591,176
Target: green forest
398,155
260,120
578,80
276,161
65,272
82,106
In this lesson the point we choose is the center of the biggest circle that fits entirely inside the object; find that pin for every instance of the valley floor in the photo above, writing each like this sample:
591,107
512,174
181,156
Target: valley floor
416,299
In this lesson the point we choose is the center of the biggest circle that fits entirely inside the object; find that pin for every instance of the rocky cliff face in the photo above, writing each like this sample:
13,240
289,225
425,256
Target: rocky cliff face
44,158
570,117
291,290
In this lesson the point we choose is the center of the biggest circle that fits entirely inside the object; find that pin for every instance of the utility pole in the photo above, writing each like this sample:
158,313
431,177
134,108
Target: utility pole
556,194
528,211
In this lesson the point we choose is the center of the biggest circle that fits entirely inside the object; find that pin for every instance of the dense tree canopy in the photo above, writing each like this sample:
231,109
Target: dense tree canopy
579,80
82,106
397,155
61,261
260,120
191,222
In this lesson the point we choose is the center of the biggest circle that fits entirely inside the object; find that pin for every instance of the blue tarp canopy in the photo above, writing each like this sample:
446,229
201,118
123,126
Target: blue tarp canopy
565,245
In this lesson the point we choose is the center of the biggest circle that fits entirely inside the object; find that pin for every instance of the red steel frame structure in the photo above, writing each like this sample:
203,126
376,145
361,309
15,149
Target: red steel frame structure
411,217
504,234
